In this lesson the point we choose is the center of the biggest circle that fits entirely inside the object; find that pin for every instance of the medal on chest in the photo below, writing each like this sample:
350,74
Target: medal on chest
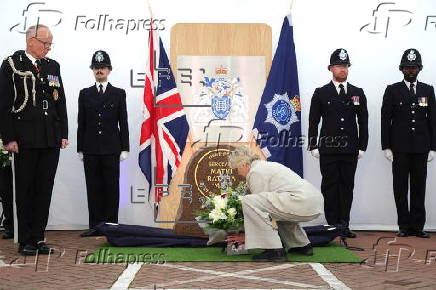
355,100
422,101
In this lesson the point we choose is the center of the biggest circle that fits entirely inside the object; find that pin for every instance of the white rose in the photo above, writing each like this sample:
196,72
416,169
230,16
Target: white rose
231,211
217,214
220,202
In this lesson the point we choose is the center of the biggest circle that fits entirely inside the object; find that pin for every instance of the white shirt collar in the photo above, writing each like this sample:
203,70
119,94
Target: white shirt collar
32,59
337,85
97,85
408,84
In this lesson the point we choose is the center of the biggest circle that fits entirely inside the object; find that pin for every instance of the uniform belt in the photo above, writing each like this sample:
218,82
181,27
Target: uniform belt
45,105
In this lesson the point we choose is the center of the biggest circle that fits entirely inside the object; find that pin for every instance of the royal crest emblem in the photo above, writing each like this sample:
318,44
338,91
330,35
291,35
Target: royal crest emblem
99,56
282,111
342,55
411,56
223,94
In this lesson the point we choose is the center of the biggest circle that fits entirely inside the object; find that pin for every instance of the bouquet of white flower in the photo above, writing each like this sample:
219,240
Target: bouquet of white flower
224,211
5,156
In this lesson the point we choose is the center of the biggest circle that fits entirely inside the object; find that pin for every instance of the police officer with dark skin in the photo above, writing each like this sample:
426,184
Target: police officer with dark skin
408,137
102,142
342,140
33,125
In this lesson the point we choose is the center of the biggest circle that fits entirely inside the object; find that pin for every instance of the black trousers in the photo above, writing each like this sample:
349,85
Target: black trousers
411,166
102,173
337,186
7,199
35,171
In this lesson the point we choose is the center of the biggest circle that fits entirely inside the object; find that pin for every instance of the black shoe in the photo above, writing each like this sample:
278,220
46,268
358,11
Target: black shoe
348,234
422,234
27,250
306,250
43,249
402,233
7,235
90,233
271,255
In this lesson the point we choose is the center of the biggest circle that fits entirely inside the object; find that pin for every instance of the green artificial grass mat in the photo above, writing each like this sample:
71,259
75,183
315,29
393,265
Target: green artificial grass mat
331,253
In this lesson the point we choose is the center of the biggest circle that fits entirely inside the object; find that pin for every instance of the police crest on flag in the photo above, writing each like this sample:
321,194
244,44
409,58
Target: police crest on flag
282,112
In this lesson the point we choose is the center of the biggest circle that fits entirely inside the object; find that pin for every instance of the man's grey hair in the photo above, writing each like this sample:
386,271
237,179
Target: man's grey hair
32,31
242,155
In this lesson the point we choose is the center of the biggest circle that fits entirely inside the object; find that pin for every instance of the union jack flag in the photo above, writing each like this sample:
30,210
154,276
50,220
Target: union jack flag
165,128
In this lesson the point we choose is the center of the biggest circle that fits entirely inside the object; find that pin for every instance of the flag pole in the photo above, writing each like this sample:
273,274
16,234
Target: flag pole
149,8
153,172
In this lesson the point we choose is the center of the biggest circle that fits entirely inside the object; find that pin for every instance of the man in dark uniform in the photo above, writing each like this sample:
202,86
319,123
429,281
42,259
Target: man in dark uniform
408,137
102,141
343,138
33,125
6,196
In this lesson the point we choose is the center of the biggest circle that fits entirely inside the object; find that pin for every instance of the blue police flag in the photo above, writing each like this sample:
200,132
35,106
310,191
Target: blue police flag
277,127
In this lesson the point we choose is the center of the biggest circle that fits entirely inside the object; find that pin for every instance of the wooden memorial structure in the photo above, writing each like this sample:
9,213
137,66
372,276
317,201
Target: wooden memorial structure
203,164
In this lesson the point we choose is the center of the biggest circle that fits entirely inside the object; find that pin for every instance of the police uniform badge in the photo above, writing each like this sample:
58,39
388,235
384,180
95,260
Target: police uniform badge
355,100
411,56
342,55
423,102
99,57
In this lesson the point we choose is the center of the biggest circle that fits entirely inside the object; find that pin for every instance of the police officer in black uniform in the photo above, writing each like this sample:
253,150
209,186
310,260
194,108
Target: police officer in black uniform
33,125
6,195
102,142
408,137
342,139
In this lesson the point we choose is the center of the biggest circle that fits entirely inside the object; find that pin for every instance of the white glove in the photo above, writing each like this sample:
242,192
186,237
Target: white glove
389,155
80,155
124,155
360,154
315,153
431,155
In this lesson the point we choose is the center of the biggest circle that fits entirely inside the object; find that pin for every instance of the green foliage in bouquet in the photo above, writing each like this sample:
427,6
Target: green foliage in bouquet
225,211
5,156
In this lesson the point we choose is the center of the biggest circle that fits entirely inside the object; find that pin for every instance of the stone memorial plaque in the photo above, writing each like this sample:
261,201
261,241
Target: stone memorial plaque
207,169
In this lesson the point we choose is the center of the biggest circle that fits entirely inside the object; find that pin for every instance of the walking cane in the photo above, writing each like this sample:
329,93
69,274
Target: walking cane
13,201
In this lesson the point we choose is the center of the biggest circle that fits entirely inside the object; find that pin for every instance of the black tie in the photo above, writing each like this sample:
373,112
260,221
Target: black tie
411,90
342,91
100,90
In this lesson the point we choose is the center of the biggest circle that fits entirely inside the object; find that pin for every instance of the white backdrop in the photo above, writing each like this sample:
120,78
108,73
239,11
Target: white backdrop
320,26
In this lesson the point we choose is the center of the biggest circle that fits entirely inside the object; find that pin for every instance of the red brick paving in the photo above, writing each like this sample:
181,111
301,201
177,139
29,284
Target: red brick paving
391,263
